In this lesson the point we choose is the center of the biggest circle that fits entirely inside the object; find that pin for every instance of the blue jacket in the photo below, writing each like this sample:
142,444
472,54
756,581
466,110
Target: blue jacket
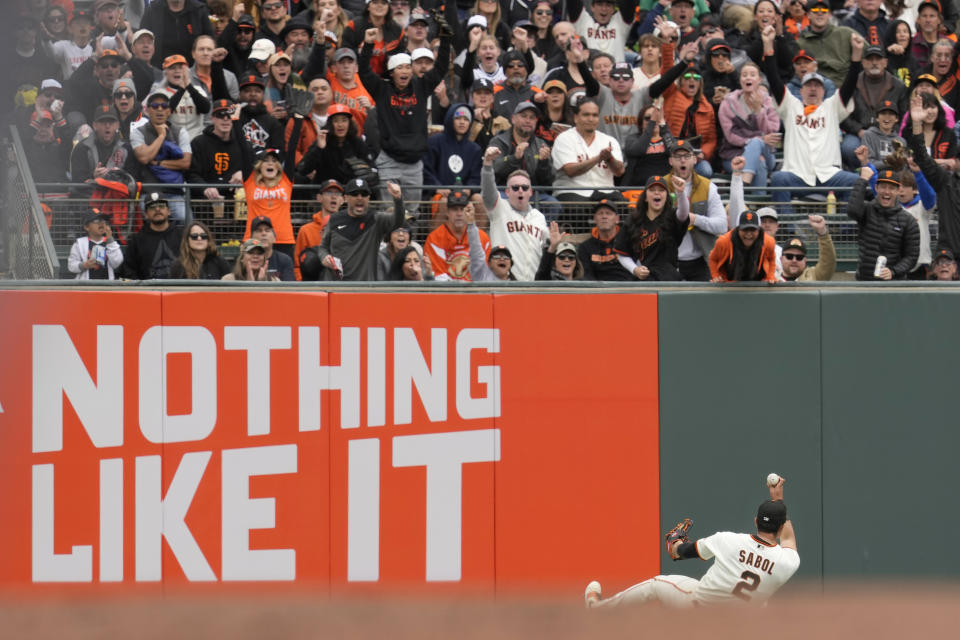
449,158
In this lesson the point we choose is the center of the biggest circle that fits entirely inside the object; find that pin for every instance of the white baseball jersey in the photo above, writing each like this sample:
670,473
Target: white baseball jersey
744,567
569,147
522,233
609,38
811,146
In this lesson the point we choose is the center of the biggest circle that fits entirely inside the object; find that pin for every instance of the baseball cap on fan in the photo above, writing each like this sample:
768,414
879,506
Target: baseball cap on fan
771,515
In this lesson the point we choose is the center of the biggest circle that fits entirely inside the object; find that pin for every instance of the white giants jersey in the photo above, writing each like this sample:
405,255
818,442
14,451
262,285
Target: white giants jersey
744,568
523,234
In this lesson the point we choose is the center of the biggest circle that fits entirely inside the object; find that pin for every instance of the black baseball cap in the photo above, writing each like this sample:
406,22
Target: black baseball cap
326,185
499,249
622,70
888,176
611,201
260,220
660,180
818,3
93,215
944,254
356,185
482,84
155,199
795,244
246,22
874,50
511,56
771,515
686,145
458,199
748,220
889,105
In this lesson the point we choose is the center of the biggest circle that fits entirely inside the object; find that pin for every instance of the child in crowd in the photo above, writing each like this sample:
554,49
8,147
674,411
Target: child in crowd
96,255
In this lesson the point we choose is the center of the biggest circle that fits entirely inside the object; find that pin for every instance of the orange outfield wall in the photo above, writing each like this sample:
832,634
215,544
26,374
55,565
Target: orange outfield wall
341,441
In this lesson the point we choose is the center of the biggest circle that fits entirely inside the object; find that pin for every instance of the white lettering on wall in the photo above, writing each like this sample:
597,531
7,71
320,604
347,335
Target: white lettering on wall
155,422
489,405
76,566
363,510
58,370
164,517
410,369
444,454
241,513
257,342
315,377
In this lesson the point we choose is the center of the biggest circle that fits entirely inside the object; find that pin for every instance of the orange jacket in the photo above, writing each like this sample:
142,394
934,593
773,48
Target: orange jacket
449,255
675,105
309,235
723,252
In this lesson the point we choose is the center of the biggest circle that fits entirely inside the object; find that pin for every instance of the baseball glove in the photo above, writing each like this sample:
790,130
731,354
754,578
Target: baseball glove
679,532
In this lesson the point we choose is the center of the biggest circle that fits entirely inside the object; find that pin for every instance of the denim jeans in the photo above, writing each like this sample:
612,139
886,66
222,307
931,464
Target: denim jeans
760,161
794,182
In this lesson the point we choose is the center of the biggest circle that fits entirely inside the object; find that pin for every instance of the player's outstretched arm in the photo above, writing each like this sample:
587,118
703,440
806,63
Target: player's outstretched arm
788,539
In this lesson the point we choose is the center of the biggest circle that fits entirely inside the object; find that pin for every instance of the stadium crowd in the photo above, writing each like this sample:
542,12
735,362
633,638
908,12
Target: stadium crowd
455,115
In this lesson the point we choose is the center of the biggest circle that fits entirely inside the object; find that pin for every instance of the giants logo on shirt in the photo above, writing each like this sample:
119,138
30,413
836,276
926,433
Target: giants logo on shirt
601,33
519,227
811,123
275,193
404,104
221,162
620,119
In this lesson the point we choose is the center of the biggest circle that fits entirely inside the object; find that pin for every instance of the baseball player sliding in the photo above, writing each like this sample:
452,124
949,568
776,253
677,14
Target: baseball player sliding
747,567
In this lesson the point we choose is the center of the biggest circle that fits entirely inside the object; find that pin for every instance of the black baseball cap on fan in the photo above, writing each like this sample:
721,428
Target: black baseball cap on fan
771,515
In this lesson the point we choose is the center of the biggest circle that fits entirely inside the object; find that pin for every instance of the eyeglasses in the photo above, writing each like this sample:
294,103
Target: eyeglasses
159,105
691,76
361,194
794,256
221,115
520,187
819,10
199,236
55,19
720,54
124,95
566,257
110,64
273,5
543,12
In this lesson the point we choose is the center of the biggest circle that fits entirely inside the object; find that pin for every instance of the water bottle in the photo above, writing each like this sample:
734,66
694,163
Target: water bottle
831,203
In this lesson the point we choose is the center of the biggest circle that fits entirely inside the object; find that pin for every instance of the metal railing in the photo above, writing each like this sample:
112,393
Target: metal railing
29,248
227,219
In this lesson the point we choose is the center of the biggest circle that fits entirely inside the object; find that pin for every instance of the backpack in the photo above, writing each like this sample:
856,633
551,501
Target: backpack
116,195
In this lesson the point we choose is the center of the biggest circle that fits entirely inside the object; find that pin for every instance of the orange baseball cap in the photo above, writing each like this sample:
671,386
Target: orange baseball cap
169,61
338,109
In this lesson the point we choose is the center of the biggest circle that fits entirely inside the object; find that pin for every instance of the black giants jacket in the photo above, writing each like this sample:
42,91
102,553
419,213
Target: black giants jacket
402,115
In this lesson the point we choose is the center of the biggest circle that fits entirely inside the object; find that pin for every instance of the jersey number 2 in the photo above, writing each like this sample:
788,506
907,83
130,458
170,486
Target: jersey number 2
750,582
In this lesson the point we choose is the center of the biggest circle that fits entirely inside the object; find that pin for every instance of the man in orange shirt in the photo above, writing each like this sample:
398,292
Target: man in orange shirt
448,247
347,89
311,234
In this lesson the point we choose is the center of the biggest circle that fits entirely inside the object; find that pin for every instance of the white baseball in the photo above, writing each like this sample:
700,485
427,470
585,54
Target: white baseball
772,480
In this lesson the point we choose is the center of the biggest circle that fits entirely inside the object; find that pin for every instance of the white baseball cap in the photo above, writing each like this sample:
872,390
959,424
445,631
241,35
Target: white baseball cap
397,60
422,52
262,50
142,32
477,20
50,83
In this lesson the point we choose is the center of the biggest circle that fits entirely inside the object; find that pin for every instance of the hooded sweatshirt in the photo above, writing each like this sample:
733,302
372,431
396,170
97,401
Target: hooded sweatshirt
450,156
402,113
